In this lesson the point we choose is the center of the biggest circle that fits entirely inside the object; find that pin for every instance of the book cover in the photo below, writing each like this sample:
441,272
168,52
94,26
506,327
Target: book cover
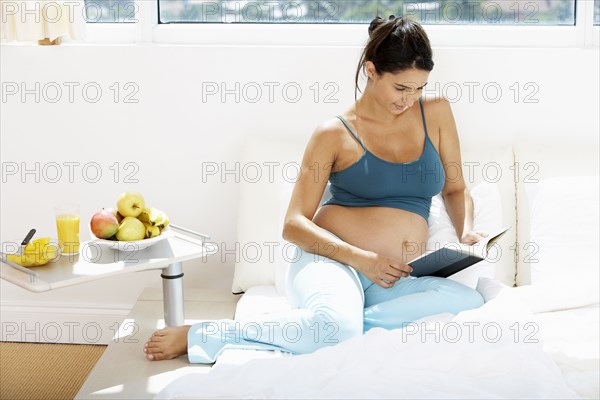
453,257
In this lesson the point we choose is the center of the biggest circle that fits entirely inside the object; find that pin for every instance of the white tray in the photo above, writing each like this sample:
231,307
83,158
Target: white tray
95,262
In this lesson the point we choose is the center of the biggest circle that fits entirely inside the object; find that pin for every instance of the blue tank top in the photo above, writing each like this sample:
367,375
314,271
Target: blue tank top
372,181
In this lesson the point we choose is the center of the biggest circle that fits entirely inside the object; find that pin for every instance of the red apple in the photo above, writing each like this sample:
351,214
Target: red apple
104,224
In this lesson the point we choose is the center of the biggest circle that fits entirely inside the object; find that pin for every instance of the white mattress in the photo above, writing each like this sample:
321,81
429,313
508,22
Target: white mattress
567,347
570,337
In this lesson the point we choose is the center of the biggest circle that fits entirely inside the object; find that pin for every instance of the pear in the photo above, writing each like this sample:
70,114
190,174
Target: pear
130,204
131,229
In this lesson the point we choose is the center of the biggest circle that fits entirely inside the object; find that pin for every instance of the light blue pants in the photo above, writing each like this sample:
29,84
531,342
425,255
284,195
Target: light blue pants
333,302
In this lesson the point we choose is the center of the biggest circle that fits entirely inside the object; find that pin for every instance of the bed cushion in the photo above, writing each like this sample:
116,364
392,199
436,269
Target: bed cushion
557,205
487,218
259,227
563,243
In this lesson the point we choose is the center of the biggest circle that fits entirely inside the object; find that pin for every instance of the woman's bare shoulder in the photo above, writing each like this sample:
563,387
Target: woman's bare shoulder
328,132
326,142
436,104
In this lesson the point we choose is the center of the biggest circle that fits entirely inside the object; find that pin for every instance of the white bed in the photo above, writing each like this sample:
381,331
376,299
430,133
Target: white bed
544,302
557,360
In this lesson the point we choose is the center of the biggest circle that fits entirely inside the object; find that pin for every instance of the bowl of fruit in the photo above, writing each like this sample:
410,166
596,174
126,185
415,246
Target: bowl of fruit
36,253
131,226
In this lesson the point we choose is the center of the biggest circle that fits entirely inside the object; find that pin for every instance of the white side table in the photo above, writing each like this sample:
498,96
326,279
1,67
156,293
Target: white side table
96,262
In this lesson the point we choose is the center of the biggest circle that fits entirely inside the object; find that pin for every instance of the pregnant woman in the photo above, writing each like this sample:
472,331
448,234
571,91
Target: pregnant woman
384,163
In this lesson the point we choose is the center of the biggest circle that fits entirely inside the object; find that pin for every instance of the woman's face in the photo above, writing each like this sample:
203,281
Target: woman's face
397,92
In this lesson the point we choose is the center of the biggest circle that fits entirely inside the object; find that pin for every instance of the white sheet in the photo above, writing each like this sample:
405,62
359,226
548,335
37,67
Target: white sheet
571,338
402,364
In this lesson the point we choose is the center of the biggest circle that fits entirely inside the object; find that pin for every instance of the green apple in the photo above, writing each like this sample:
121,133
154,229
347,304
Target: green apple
130,204
131,229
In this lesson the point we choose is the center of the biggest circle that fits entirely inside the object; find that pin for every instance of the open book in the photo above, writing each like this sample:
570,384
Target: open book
453,257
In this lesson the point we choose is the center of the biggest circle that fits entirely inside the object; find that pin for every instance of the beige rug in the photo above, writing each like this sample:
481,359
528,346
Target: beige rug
45,371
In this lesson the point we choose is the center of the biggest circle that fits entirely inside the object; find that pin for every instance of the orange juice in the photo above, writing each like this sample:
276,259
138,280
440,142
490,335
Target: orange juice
67,226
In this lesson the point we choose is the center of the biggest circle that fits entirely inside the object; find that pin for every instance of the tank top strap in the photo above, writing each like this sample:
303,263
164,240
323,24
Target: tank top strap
423,116
351,132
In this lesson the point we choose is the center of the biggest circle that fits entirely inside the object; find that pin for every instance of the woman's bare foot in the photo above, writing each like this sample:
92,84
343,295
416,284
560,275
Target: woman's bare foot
167,343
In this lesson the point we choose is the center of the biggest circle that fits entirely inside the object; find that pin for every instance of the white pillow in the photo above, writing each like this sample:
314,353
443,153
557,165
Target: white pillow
564,226
487,217
259,245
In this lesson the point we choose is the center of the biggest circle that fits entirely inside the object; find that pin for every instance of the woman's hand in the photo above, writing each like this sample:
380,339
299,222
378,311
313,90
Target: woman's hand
473,237
384,271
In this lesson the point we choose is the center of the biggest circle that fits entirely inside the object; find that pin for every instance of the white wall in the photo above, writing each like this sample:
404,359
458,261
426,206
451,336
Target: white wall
171,132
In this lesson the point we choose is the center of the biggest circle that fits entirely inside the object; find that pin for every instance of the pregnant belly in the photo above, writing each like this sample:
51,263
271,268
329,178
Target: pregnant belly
391,232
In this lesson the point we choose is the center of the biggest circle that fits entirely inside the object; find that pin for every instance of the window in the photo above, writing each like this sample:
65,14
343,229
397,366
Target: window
110,11
438,12
450,23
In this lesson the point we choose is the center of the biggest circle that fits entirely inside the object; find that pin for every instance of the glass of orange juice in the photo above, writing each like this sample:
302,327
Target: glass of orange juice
67,225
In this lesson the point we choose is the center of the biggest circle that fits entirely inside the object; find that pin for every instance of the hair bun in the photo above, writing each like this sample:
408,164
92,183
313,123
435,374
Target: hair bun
378,21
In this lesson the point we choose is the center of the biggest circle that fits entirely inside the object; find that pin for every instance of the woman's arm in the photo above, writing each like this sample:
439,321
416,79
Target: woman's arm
319,157
460,209
455,193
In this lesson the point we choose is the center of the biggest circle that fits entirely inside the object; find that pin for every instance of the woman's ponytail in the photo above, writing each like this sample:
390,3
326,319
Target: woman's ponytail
395,45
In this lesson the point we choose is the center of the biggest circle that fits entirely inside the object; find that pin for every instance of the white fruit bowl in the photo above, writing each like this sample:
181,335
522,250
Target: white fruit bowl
131,246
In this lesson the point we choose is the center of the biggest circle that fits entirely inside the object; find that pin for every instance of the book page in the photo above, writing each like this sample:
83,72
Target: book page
484,245
479,249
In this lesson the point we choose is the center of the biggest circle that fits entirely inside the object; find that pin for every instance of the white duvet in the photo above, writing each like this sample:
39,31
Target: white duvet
527,342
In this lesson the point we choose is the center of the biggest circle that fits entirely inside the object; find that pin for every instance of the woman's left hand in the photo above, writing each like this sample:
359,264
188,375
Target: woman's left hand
473,237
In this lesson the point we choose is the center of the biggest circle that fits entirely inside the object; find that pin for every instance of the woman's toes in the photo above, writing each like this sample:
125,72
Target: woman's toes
154,356
167,344
158,356
153,348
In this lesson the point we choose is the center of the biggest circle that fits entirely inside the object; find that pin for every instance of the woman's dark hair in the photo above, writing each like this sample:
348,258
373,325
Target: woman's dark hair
395,45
